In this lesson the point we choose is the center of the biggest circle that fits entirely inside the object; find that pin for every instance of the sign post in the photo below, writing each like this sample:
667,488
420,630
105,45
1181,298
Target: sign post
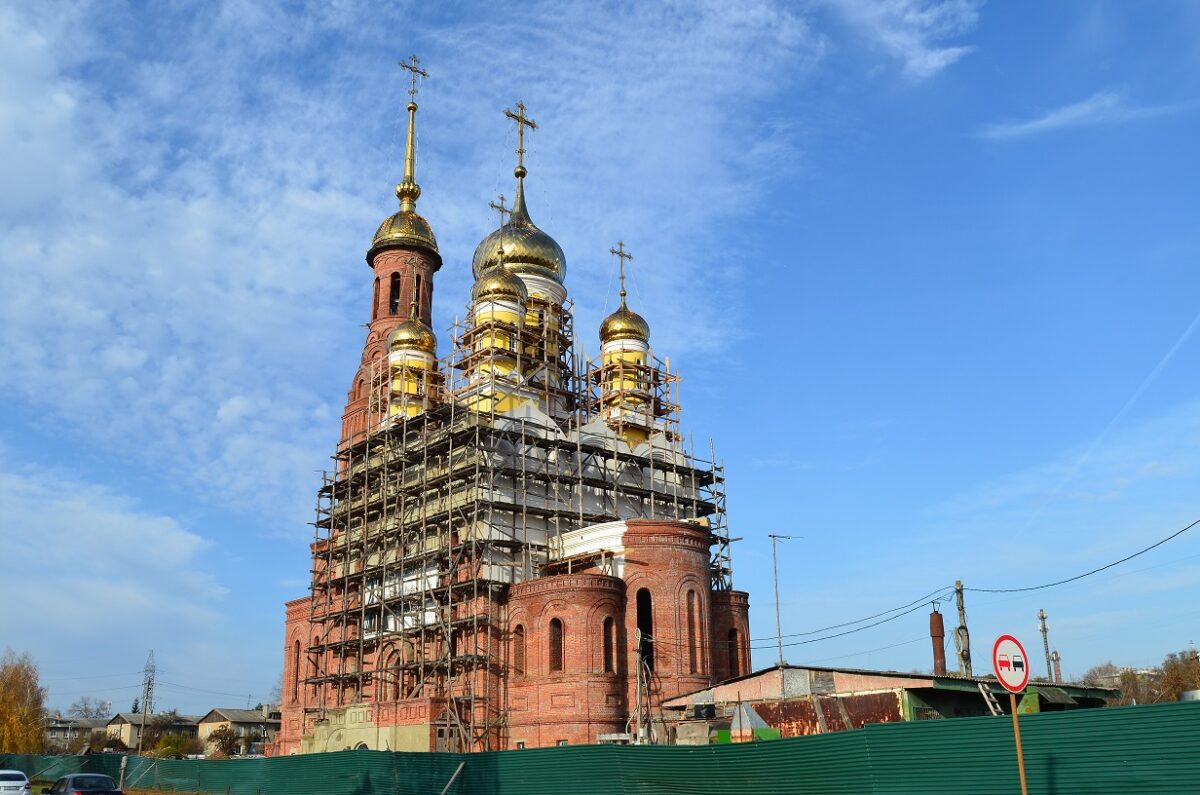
1011,665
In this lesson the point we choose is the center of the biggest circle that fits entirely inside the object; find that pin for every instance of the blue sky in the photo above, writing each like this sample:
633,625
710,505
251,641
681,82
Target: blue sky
931,271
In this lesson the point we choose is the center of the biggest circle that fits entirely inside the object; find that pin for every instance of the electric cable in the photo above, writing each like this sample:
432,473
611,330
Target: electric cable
923,600
1156,544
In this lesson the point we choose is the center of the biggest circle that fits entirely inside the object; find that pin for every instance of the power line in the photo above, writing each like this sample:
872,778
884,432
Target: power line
98,676
201,690
1156,544
914,608
922,600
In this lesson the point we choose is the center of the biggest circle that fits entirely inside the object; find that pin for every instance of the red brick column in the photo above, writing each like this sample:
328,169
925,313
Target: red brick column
669,560
730,634
582,700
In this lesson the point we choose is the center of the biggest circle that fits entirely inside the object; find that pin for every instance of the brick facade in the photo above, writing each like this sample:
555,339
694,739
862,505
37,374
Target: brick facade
411,270
569,648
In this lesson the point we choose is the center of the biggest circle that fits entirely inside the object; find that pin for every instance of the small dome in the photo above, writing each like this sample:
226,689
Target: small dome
624,324
499,284
405,228
527,249
412,335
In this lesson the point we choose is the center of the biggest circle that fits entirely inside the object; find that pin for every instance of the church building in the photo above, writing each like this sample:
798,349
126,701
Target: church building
515,547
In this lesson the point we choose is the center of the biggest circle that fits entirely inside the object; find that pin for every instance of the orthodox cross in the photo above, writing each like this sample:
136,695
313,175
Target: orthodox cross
413,66
503,211
500,208
621,253
522,121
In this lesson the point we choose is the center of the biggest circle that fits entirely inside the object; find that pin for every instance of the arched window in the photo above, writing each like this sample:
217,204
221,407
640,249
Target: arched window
360,392
418,296
375,300
394,295
691,632
556,645
518,650
735,649
296,672
645,623
610,630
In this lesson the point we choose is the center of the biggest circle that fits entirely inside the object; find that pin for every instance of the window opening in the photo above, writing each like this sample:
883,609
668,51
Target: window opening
519,650
394,295
609,631
556,645
645,623
691,630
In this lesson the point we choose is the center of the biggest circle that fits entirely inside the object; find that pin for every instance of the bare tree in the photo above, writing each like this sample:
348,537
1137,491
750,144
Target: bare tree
88,707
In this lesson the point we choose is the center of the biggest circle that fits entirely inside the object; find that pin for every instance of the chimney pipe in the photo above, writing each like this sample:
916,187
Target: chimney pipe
1057,666
937,632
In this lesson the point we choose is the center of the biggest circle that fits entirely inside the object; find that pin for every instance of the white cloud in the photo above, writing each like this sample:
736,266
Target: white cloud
912,30
181,272
1087,507
74,551
1103,107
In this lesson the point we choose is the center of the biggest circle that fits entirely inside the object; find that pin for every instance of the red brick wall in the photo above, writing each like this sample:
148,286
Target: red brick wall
582,700
730,621
408,263
296,631
670,559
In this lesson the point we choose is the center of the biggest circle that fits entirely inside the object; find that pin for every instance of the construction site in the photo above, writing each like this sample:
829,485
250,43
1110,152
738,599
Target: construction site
510,473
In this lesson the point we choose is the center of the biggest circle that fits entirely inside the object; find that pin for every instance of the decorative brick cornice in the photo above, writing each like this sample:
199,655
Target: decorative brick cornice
562,583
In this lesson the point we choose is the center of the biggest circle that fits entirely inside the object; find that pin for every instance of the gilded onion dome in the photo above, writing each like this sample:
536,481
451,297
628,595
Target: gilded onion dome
624,324
406,227
412,335
526,249
497,284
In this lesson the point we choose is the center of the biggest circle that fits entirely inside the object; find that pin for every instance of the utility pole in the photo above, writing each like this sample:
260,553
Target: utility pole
147,697
962,638
775,539
1046,644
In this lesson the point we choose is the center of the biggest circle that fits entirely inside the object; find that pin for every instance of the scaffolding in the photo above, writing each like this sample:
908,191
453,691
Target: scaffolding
425,520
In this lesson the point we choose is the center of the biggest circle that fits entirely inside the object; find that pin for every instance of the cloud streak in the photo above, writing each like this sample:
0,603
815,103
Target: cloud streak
912,30
185,257
1103,107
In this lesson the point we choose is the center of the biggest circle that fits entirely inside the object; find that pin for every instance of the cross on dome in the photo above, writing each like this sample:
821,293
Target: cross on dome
414,67
622,255
522,121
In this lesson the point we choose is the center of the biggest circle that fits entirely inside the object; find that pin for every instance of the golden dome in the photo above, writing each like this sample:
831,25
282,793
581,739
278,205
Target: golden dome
405,228
499,284
527,249
624,324
412,335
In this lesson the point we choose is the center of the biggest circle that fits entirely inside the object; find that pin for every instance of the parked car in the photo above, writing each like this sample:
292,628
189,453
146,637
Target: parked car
14,782
83,784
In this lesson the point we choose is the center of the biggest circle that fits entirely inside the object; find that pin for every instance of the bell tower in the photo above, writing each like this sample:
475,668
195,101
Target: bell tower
403,258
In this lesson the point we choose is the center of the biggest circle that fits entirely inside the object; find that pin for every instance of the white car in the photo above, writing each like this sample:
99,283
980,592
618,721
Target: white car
14,782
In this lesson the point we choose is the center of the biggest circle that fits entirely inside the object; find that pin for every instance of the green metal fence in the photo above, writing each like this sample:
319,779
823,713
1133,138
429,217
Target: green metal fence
1145,750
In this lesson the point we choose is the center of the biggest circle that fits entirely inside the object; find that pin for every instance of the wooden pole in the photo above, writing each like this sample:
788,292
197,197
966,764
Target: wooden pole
1012,697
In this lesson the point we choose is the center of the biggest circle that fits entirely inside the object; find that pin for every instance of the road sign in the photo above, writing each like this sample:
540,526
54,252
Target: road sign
1010,663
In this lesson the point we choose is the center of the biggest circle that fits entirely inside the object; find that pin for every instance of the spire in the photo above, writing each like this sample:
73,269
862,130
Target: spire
620,252
408,190
520,214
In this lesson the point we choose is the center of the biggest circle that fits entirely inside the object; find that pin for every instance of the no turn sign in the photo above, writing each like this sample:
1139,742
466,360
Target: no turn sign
1010,663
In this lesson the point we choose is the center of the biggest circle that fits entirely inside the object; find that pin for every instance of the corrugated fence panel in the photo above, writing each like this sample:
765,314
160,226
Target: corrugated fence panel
1147,750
